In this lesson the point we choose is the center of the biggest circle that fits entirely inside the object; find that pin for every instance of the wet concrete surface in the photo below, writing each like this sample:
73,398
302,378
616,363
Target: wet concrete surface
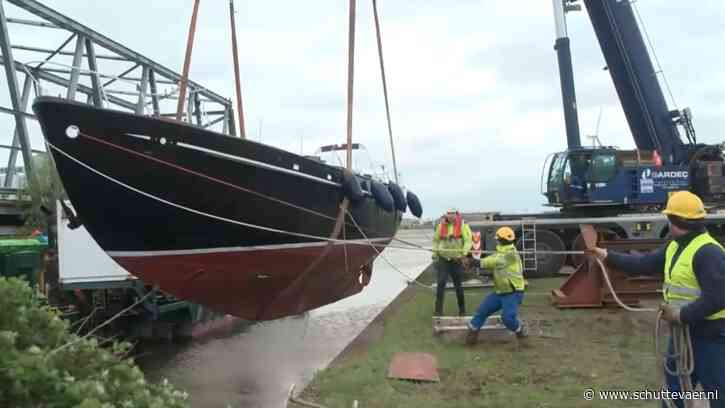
255,365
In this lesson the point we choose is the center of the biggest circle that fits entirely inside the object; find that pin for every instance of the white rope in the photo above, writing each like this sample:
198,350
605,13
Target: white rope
681,345
614,294
380,254
202,213
412,246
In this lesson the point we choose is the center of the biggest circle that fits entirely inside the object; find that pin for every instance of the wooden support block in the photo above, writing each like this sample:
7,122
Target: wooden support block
455,329
472,283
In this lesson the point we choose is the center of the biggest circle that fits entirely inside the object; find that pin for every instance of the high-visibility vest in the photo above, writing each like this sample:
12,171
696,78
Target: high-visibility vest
508,271
452,247
681,286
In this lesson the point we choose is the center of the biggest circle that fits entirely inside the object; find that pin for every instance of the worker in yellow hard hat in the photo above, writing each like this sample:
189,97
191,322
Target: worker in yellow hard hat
451,245
693,263
508,284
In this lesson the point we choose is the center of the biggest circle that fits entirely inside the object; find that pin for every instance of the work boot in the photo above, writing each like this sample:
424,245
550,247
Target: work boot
438,311
461,312
471,337
522,332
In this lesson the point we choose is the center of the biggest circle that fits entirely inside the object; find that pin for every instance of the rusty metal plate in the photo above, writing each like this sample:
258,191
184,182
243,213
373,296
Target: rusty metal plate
414,366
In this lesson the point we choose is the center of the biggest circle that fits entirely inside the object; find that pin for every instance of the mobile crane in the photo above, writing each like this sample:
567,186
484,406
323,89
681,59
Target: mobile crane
619,191
587,180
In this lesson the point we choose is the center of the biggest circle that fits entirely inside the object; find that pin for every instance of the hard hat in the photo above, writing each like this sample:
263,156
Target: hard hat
686,205
452,210
506,234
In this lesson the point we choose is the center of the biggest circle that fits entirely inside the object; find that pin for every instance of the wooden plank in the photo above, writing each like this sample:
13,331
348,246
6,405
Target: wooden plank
455,329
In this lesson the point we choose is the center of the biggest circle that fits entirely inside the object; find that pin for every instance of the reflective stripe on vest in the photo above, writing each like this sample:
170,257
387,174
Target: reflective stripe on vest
681,290
681,285
508,270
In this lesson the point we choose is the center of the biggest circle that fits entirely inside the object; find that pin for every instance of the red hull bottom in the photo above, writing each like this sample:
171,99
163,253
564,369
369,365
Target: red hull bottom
257,284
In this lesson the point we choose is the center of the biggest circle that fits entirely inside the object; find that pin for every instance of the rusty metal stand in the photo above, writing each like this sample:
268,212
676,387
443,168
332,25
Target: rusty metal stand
585,287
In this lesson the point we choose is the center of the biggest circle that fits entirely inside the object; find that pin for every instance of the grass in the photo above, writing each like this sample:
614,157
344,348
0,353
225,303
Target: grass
601,349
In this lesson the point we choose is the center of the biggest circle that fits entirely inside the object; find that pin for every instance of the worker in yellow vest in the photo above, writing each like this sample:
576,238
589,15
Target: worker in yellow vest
693,263
451,244
508,285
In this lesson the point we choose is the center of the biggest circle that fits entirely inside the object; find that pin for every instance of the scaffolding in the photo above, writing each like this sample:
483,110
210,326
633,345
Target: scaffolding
85,66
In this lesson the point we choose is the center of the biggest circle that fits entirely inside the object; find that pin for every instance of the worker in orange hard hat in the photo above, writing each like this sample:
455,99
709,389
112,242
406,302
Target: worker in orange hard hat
451,245
508,284
693,264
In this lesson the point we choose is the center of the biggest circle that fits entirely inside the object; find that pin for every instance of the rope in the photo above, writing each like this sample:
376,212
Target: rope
412,246
204,176
682,354
385,87
614,294
681,345
407,278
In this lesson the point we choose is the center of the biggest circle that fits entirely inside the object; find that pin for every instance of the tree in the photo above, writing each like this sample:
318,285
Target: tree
39,368
48,189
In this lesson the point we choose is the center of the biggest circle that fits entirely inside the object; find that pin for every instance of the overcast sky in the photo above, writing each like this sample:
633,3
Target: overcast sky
473,85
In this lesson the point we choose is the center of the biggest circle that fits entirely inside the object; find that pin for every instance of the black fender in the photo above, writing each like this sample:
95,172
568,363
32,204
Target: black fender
398,196
382,196
351,187
414,204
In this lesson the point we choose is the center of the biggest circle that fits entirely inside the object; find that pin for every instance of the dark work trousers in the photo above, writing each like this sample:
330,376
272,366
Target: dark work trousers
445,268
709,370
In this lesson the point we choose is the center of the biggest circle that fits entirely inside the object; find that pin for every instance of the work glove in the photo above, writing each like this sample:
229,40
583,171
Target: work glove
465,261
669,313
597,252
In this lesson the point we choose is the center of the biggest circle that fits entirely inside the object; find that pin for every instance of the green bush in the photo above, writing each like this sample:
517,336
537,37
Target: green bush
36,372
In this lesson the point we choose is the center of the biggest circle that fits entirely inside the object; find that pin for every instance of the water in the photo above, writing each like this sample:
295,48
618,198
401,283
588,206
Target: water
257,365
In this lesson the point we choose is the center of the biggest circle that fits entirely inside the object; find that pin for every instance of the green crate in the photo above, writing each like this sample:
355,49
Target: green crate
16,245
21,258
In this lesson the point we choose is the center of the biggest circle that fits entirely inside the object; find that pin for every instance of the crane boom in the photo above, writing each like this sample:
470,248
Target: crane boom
635,79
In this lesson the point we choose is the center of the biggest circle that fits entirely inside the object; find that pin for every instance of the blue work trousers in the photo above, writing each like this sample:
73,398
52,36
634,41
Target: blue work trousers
709,368
494,302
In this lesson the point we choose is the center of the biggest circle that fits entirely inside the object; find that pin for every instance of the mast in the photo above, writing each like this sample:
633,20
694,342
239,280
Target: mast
350,80
566,75
187,61
240,109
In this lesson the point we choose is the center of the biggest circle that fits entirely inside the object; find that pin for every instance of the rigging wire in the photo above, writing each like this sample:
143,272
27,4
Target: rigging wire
654,54
385,88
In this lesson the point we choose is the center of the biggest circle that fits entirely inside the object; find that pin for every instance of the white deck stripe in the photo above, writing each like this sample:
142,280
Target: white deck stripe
121,254
256,163
136,135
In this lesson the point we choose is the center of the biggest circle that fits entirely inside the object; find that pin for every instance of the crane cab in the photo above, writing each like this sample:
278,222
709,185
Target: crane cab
606,176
